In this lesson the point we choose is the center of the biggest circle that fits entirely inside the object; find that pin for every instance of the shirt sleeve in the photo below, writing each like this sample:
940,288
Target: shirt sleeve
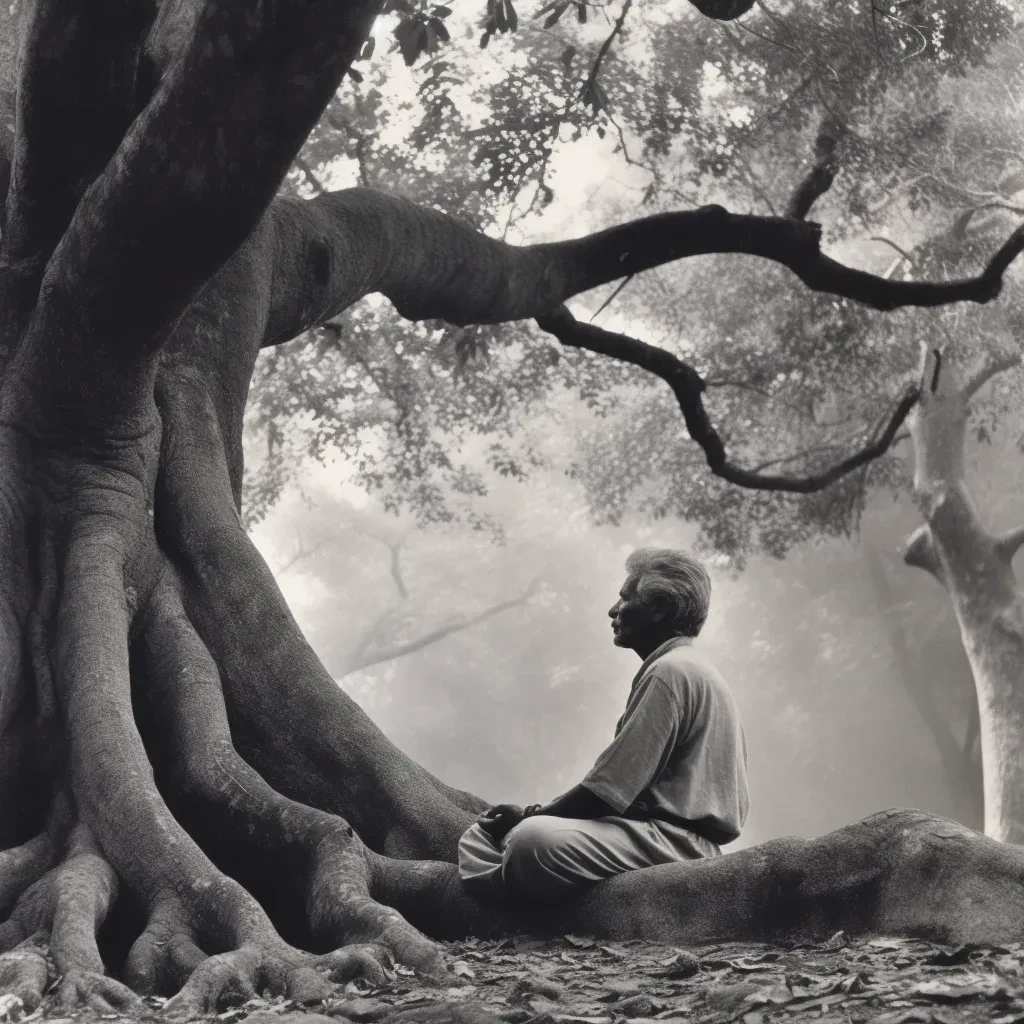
647,735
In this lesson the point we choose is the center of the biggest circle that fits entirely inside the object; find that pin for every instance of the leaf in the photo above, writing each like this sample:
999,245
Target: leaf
559,9
412,39
567,55
579,943
441,11
462,970
581,11
513,18
440,29
354,75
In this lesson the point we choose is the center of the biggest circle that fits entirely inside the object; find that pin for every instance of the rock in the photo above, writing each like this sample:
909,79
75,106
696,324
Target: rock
682,965
635,1006
619,989
729,998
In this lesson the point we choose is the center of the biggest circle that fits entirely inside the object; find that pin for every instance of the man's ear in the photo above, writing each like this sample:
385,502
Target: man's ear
661,608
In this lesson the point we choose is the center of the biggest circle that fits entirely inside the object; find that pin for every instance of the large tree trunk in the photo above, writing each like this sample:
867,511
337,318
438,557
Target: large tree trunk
976,569
171,750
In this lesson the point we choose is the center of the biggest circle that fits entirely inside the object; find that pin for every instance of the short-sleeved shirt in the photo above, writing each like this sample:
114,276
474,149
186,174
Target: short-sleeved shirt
679,754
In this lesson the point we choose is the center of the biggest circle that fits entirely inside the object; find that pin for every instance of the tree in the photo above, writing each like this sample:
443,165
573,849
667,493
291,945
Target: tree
167,734
396,631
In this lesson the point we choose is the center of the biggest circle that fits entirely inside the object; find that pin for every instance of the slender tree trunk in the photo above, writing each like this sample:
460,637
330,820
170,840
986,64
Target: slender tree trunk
955,756
976,569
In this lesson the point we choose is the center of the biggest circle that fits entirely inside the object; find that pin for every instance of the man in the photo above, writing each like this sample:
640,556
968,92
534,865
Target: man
671,786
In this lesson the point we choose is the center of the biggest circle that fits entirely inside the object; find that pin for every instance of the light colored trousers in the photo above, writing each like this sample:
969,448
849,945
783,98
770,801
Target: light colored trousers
545,858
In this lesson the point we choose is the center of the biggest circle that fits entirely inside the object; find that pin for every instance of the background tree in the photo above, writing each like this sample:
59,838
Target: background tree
167,734
408,623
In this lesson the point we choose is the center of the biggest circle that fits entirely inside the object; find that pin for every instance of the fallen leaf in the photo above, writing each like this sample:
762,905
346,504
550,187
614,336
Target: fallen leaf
952,957
462,970
618,989
578,943
836,942
363,1011
946,993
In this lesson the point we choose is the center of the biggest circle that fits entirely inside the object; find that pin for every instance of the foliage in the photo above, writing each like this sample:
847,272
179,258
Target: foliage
422,411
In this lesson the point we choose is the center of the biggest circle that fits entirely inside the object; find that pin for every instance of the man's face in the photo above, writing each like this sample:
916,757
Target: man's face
632,621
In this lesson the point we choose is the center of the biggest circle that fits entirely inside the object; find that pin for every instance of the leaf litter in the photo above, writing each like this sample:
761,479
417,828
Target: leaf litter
577,980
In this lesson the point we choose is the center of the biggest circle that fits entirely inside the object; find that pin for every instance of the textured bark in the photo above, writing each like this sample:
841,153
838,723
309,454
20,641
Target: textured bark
170,746
976,569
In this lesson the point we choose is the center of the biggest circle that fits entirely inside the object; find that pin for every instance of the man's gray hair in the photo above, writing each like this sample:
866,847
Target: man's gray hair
676,577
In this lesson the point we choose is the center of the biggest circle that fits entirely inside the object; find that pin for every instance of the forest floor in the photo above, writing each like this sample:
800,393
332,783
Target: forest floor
579,981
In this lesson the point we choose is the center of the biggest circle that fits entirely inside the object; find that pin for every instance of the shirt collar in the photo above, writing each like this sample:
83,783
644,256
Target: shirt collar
669,645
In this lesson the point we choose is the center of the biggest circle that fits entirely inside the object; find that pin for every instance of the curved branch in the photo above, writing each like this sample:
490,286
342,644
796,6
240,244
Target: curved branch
687,386
232,110
332,250
994,367
892,245
821,175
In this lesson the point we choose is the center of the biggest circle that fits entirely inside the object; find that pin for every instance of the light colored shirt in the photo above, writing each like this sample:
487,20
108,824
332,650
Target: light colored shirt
679,754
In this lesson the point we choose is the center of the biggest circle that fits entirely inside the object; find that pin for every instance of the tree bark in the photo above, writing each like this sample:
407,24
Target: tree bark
976,569
167,737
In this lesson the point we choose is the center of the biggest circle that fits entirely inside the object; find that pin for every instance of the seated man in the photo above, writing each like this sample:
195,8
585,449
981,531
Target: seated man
671,786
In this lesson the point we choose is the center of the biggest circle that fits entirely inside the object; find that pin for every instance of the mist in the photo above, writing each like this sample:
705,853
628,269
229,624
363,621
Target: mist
516,706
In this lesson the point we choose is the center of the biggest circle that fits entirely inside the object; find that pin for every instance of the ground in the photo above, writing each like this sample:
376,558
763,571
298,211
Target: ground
579,981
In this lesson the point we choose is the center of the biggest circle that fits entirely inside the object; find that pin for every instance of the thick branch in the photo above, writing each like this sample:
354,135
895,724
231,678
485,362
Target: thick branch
190,181
687,386
1009,543
992,368
819,178
76,98
336,248
921,554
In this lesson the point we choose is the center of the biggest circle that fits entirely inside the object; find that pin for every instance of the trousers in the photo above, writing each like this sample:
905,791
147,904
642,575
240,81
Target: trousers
545,859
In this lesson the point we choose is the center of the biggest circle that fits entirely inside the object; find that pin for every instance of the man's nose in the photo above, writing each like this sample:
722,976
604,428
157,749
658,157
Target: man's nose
614,610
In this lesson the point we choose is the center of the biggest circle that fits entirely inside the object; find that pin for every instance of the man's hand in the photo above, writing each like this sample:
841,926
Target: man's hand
499,820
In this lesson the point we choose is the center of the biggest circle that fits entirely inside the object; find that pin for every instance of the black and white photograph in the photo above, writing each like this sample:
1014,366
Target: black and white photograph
509,511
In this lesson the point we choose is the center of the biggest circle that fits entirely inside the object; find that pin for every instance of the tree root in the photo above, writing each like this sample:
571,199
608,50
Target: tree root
230,806
899,872
66,906
25,864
